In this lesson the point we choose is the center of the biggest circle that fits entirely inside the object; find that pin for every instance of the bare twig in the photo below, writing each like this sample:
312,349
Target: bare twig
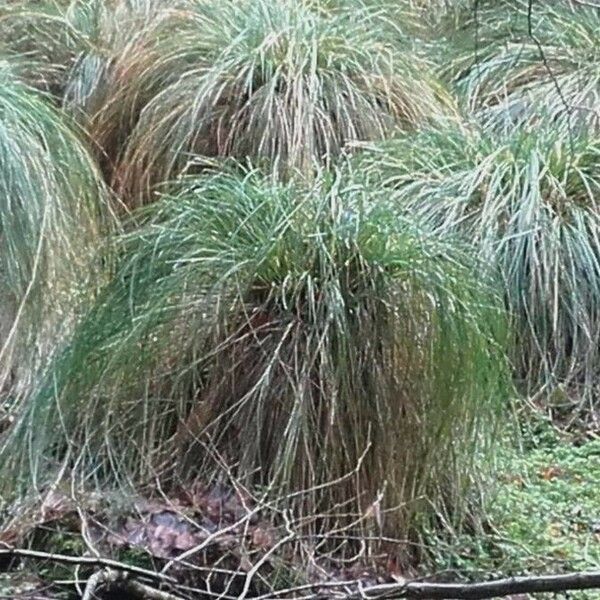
207,542
553,78
92,561
115,572
254,570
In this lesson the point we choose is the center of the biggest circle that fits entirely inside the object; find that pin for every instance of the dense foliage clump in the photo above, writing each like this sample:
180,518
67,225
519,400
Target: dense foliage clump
283,327
306,252
528,200
53,213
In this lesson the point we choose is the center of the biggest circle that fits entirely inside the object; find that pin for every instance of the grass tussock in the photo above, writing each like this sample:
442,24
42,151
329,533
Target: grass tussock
529,202
333,337
266,80
297,333
71,47
518,64
289,82
52,212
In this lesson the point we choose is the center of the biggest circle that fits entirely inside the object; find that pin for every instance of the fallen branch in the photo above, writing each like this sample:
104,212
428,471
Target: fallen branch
481,591
97,579
119,574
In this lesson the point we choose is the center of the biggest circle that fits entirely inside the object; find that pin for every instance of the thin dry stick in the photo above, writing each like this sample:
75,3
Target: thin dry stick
208,541
254,570
115,570
92,561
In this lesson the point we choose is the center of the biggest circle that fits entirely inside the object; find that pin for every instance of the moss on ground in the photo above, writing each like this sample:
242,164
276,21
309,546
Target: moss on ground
544,516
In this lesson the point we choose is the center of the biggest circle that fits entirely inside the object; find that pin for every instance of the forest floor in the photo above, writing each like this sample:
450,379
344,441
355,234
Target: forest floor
543,517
